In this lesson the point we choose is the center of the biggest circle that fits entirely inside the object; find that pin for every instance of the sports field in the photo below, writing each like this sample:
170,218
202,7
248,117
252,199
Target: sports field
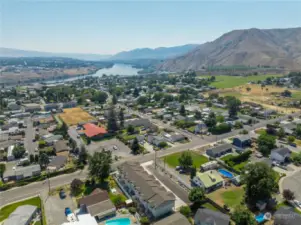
74,116
224,81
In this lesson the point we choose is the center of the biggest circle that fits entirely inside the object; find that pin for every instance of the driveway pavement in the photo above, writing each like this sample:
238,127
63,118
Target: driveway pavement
73,134
293,183
29,136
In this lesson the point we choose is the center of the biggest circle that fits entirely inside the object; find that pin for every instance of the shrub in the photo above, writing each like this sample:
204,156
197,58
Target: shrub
132,210
144,220
186,211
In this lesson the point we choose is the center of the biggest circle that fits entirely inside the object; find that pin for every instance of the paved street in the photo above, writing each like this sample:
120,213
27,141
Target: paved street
73,134
29,136
293,183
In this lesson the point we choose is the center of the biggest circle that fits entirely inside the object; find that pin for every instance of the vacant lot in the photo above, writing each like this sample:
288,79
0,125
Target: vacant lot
224,81
173,160
232,196
74,116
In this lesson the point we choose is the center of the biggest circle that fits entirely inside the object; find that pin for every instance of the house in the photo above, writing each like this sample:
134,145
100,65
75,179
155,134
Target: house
155,140
219,151
280,155
61,146
23,215
167,117
174,105
150,196
209,180
26,172
208,217
200,128
32,107
51,106
10,155
174,137
83,219
209,165
289,128
138,123
97,204
94,132
242,141
57,163
286,216
174,219
140,139
53,138
180,117
71,104
13,106
218,105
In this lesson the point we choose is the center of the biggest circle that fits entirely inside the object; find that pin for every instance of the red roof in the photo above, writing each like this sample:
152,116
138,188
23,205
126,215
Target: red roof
92,130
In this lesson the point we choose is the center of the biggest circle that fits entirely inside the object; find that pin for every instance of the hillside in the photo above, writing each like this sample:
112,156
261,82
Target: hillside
156,53
272,47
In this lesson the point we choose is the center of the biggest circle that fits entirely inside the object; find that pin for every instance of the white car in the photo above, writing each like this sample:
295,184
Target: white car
115,147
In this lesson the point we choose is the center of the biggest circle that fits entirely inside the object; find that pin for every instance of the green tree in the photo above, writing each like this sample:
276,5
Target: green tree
185,160
36,158
298,131
296,158
112,121
2,170
142,100
196,195
31,158
121,118
136,92
83,155
233,106
162,144
144,220
288,195
211,120
43,160
130,129
114,99
281,133
291,139
260,182
182,110
197,115
135,147
18,151
76,186
185,211
242,216
266,143
100,165
220,119
192,172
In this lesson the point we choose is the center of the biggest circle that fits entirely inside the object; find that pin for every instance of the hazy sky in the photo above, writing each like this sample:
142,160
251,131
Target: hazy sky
110,26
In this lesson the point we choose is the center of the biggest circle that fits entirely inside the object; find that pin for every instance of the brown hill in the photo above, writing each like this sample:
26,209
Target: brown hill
271,47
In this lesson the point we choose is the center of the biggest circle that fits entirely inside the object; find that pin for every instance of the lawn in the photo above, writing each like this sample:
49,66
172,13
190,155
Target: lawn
7,210
298,142
224,81
225,158
207,205
260,131
173,159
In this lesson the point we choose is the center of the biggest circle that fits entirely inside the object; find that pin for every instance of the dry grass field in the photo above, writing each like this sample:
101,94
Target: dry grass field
74,116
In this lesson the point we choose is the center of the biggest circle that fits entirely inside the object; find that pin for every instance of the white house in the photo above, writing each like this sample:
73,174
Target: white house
280,155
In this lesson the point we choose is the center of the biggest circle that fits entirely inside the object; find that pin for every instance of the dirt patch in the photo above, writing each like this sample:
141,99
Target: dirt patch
74,116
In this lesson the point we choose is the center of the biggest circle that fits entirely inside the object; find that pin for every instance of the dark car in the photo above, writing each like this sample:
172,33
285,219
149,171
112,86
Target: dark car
293,145
62,194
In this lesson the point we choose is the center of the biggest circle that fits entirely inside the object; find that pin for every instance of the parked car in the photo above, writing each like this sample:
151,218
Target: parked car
115,147
293,145
62,194
67,211
178,168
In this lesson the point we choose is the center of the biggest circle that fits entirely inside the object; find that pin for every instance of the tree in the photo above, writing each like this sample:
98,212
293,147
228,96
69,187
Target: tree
196,195
114,99
242,216
185,160
135,146
2,170
266,143
144,220
298,131
182,110
281,133
112,122
121,118
83,155
162,144
142,100
238,125
185,211
286,93
136,92
76,186
192,172
291,139
233,105
18,151
296,158
260,182
100,165
288,195
43,160
211,120
248,89
31,158
36,158
130,129
197,115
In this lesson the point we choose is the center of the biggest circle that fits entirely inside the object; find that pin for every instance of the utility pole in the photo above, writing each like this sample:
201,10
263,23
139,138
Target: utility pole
155,159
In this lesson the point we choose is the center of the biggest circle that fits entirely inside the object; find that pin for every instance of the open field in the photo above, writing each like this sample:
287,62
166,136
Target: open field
224,81
232,196
173,159
74,116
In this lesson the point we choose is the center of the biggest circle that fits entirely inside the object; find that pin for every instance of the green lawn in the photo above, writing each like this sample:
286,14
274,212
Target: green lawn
207,205
173,159
296,95
225,158
233,198
224,81
7,210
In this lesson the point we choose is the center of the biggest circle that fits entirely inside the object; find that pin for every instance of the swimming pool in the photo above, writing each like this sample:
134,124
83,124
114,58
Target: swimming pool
260,218
225,173
119,221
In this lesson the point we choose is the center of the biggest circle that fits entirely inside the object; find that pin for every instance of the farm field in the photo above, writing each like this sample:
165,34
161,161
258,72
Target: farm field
173,159
74,116
224,81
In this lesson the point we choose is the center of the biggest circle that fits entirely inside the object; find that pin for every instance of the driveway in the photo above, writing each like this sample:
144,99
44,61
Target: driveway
55,209
122,150
293,183
73,134
29,136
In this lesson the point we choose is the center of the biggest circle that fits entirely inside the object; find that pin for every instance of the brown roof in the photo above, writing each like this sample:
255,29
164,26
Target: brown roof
94,198
61,146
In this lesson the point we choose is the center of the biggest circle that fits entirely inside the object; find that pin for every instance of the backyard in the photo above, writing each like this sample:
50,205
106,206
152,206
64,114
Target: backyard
173,159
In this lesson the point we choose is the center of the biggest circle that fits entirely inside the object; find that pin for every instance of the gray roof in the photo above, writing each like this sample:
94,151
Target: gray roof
286,216
27,171
221,148
21,215
60,146
101,208
208,216
243,138
150,189
138,123
58,162
290,126
282,151
174,219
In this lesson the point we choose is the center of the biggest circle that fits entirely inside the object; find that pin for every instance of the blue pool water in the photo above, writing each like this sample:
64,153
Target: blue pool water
225,173
120,221
260,218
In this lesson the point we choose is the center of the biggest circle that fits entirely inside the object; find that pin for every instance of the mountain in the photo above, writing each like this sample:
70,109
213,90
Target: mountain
269,47
156,53
9,52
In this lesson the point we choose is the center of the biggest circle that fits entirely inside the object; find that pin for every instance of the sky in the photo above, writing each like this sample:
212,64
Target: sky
108,27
